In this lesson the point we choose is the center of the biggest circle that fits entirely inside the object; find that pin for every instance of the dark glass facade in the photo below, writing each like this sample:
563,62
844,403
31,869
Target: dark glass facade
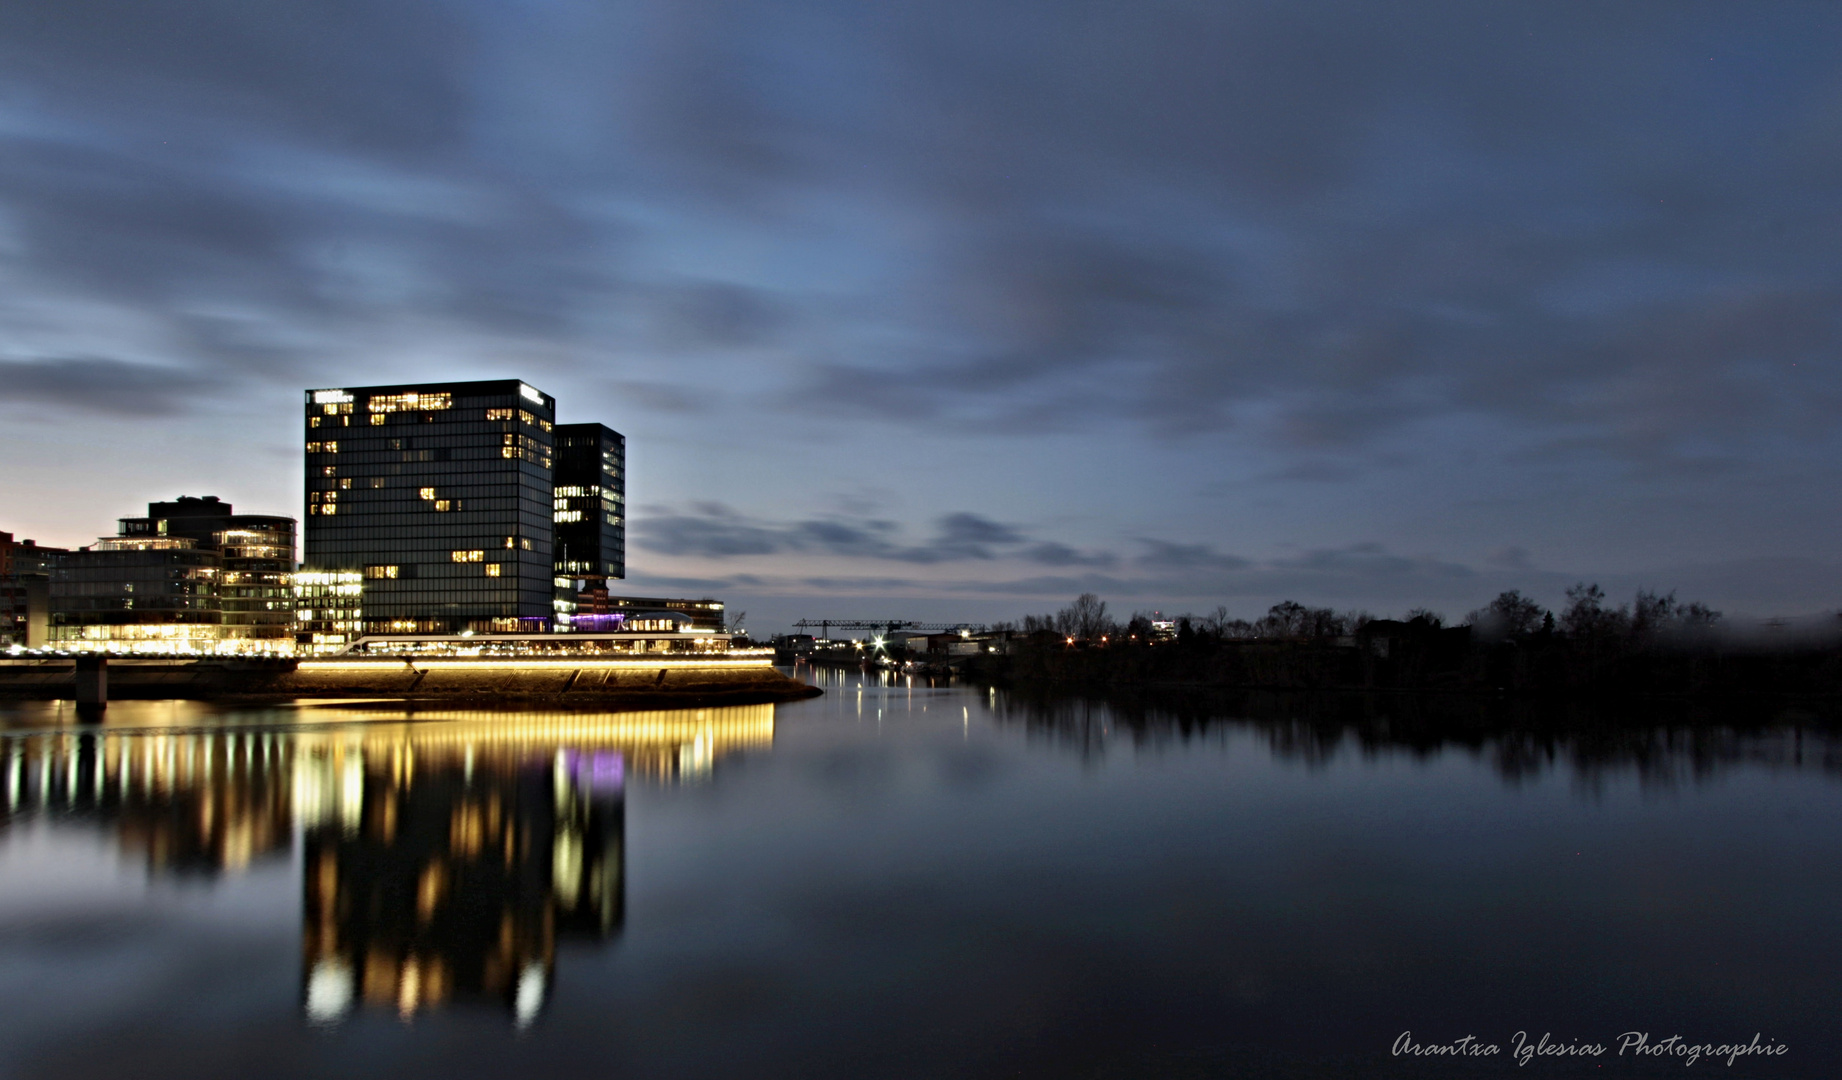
590,510
152,590
440,494
254,587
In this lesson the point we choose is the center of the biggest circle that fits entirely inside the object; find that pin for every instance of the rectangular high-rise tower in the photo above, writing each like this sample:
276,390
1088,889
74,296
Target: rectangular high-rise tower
591,502
591,517
441,495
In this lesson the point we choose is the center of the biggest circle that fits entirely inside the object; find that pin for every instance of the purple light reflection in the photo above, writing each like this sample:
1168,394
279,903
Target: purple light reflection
597,773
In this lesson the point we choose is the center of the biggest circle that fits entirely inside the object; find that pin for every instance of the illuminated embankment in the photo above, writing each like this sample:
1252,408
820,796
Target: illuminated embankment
664,680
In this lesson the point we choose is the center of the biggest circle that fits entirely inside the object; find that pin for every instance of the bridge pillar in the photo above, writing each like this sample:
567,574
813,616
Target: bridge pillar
92,682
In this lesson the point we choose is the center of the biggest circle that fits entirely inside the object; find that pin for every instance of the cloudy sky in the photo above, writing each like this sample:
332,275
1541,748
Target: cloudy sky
955,309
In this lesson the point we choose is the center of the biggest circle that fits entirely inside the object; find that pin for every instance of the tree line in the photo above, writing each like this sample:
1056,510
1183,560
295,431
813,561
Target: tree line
1653,644
1650,617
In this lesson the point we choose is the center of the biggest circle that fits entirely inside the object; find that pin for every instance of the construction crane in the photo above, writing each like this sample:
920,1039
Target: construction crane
887,626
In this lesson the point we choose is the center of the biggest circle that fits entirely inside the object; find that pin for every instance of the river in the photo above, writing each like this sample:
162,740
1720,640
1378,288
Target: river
902,880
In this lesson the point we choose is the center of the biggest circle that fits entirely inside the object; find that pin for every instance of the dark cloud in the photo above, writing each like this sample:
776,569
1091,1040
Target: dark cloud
663,397
1610,230
389,80
1511,556
99,385
1050,553
1164,555
713,530
1359,573
717,315
1385,222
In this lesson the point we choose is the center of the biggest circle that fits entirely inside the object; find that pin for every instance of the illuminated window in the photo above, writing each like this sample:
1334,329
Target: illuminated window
492,569
313,421
525,543
389,403
498,414
427,493
443,505
377,419
322,448
346,483
510,542
566,516
377,572
475,555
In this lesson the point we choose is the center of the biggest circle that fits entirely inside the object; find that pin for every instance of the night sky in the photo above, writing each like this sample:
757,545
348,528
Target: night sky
954,310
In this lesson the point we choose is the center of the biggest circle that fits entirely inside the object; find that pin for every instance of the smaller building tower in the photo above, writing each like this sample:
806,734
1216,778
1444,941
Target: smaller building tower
590,515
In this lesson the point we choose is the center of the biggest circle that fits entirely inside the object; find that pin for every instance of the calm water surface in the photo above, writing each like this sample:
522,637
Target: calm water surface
894,880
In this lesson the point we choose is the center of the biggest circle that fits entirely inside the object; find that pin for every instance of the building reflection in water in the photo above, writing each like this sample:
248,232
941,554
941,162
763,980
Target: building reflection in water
442,860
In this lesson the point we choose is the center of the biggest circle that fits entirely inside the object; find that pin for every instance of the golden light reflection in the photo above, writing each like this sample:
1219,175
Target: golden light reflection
444,854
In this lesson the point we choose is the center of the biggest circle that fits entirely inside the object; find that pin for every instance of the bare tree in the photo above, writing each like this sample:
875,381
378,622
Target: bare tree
1290,619
1655,616
1587,615
1085,619
1509,615
1426,617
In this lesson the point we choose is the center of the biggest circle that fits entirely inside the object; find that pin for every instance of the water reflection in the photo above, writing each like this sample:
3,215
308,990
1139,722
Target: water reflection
444,856
1660,742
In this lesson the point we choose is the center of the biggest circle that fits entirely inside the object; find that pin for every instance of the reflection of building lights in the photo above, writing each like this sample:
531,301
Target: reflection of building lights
329,990
530,999
418,832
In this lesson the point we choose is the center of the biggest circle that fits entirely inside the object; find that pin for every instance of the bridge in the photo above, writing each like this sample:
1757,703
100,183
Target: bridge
887,626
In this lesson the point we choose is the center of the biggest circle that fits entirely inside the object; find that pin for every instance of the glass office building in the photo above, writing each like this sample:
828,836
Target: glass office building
153,592
257,583
191,576
441,496
254,588
590,512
